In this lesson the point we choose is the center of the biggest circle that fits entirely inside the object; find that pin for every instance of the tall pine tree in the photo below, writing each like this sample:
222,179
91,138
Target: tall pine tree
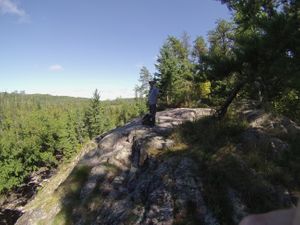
93,116
175,72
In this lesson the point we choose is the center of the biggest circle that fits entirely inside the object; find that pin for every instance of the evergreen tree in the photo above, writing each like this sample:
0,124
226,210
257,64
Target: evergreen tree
145,77
199,56
266,48
175,72
42,130
221,55
93,116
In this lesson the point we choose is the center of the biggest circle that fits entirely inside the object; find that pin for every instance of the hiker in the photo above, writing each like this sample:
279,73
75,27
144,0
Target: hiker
152,100
278,217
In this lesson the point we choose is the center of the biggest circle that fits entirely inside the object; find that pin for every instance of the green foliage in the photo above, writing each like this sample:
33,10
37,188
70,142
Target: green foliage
205,89
256,55
43,131
93,116
199,57
266,46
184,73
288,104
174,72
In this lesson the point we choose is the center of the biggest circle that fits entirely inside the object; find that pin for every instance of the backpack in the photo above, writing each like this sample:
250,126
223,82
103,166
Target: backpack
148,120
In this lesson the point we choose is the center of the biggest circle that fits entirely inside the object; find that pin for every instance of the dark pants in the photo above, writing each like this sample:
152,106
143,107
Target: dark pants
152,109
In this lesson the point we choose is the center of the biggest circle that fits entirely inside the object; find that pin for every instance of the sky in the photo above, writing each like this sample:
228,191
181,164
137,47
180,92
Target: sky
72,47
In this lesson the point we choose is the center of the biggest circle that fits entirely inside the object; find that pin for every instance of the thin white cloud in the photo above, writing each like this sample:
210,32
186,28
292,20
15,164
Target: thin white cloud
56,67
10,7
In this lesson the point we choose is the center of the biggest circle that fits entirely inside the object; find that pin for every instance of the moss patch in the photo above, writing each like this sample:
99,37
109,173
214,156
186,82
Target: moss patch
70,189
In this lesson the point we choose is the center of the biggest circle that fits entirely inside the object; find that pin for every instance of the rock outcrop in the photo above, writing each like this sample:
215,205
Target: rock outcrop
266,130
126,184
132,177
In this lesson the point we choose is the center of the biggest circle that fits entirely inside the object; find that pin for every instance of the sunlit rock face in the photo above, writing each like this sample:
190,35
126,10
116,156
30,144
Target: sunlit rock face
126,183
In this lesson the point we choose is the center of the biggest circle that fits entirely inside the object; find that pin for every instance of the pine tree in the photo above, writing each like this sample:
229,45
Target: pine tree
93,116
145,77
266,48
175,72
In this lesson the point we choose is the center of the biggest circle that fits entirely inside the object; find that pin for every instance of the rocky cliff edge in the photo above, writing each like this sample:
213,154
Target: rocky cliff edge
120,182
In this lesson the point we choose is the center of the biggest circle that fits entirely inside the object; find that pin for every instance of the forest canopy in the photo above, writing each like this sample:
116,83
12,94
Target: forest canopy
43,131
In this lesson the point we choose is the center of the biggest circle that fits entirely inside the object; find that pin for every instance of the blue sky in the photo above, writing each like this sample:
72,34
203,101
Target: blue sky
67,47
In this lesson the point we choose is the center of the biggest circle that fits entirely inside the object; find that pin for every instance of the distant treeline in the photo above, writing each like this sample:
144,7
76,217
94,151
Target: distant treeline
43,130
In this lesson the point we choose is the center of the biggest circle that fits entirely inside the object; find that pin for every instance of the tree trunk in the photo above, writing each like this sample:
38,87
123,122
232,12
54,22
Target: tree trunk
220,113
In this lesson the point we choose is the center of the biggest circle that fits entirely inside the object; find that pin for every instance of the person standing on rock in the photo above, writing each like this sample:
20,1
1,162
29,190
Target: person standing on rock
152,100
